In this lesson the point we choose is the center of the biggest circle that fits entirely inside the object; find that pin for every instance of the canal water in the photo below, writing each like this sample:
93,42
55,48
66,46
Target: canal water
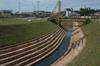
59,52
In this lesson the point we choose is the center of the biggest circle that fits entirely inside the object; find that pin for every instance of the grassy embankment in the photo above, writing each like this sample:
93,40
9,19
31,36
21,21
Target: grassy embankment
16,31
90,55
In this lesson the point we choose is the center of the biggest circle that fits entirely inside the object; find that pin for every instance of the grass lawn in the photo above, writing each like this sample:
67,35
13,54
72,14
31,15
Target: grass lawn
17,21
16,31
90,55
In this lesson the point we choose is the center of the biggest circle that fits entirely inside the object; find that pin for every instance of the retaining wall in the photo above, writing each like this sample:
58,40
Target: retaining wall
77,43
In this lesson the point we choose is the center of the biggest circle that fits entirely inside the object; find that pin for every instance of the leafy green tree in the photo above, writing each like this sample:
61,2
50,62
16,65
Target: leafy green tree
86,12
6,15
97,10
77,11
16,14
3,16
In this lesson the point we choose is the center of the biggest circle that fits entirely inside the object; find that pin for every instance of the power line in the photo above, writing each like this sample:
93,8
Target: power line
63,4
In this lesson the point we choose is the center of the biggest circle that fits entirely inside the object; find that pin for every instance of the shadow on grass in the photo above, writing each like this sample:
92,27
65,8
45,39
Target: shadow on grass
55,23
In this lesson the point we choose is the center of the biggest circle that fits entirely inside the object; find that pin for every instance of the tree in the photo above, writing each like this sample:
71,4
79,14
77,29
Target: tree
3,16
17,14
77,11
6,15
97,10
86,22
86,12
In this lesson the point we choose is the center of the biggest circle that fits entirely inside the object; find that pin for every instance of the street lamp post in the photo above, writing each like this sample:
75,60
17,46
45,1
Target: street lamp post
34,9
38,7
47,9
19,7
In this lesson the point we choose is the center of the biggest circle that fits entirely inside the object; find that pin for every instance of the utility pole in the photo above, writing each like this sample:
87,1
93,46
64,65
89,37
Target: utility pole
38,7
47,9
34,9
58,5
19,7
59,10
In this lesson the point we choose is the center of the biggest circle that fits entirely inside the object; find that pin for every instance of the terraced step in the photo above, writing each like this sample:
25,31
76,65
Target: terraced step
28,47
35,49
18,46
32,51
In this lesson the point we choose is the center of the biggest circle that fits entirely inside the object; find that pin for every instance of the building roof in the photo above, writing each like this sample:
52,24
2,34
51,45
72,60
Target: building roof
6,10
68,9
27,12
97,13
74,14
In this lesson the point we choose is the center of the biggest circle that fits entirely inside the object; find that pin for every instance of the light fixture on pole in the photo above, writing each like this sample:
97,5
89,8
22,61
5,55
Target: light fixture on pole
47,9
19,6
34,9
38,7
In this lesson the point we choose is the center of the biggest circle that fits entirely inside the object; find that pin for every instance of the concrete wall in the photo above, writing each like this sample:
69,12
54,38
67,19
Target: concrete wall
74,49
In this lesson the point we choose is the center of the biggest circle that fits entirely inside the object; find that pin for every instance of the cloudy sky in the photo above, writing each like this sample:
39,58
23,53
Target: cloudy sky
28,5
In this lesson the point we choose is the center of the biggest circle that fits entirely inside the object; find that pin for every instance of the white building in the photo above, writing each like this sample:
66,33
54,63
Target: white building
5,11
97,14
68,11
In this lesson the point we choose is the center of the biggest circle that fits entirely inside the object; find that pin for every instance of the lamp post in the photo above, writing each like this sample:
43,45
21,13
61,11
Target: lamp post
19,6
47,9
19,9
38,7
34,9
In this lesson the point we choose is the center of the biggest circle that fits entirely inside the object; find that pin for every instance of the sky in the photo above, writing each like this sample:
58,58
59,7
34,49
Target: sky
46,5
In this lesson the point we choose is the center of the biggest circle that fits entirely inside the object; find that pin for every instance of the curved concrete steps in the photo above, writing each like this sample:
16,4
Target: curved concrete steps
33,51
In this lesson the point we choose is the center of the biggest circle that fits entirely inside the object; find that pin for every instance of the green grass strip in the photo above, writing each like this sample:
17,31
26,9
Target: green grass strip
90,55
16,32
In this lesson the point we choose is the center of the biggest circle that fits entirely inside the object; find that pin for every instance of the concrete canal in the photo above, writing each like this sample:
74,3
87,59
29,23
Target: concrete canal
59,52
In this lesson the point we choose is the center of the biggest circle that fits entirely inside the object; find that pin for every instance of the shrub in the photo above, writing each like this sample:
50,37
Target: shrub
86,22
53,19
5,15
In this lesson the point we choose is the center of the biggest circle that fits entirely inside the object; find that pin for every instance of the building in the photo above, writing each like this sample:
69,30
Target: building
74,14
68,11
97,14
36,14
87,8
27,14
5,11
8,13
63,14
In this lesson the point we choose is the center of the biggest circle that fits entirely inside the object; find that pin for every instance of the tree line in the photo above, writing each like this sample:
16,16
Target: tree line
87,12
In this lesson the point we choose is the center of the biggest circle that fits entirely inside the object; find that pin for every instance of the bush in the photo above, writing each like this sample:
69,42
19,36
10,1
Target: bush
5,15
53,19
86,22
